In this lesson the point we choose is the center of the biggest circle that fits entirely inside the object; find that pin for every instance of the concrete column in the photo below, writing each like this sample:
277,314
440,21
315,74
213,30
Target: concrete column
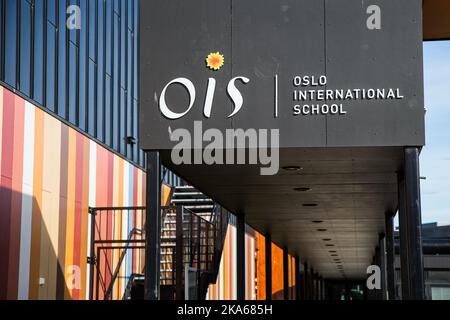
410,221
268,249
390,255
153,227
240,257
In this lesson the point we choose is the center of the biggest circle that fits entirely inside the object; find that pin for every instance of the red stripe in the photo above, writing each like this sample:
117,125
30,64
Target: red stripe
78,206
16,199
6,188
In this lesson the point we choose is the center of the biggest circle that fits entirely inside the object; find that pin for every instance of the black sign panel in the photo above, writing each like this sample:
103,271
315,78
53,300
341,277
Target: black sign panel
325,73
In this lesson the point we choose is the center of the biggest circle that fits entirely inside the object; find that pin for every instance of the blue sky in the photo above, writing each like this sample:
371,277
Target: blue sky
435,157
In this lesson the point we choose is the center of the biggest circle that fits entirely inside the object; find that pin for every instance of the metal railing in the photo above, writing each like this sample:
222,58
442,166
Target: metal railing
117,250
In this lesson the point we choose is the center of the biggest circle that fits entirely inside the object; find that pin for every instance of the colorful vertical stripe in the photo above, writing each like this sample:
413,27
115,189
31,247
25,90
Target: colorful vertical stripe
49,176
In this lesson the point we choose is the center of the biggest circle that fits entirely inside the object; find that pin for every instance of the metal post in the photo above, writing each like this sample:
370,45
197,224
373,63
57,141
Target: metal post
92,258
305,282
297,278
402,217
199,245
152,227
383,265
411,222
240,253
390,255
312,289
285,274
268,249
179,289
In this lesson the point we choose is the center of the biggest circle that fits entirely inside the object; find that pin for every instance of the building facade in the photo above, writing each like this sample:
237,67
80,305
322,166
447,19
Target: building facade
69,141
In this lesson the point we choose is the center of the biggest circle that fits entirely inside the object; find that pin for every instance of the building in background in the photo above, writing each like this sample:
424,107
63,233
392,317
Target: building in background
436,256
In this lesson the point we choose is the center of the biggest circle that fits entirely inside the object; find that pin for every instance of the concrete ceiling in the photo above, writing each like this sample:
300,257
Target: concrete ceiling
436,20
352,187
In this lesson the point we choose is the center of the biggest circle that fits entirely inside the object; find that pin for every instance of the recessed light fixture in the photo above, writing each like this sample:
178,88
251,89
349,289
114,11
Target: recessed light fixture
335,255
329,245
326,239
310,204
322,230
302,189
332,251
292,168
317,221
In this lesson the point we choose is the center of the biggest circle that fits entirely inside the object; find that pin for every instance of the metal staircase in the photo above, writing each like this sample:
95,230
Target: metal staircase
193,229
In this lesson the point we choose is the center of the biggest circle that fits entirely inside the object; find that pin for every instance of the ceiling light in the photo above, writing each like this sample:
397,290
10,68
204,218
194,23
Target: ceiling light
326,239
302,189
310,204
317,221
322,230
329,245
292,168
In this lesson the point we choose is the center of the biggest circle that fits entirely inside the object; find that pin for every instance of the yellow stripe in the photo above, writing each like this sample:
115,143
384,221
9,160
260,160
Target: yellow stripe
70,206
50,206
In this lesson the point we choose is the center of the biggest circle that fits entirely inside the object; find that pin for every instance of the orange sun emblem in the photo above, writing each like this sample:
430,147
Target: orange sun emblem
215,61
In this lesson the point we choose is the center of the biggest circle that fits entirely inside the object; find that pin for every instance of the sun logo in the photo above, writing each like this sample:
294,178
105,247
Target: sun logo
215,61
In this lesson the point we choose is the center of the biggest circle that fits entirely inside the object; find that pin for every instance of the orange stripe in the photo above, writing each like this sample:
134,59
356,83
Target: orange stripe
70,206
84,217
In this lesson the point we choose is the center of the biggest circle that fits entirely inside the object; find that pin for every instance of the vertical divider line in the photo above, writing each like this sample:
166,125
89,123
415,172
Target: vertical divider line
276,96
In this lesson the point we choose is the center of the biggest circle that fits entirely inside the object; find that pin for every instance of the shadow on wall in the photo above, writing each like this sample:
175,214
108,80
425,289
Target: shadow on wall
32,261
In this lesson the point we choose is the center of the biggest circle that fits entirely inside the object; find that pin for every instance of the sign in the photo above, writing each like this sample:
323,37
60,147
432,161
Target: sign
322,73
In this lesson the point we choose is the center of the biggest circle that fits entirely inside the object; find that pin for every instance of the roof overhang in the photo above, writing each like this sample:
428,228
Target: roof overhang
353,188
436,20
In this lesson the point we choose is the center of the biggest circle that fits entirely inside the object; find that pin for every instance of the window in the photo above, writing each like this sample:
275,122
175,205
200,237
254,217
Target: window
109,34
440,293
92,29
108,108
116,91
50,67
88,77
25,47
62,61
83,67
73,99
38,87
92,87
100,71
11,42
51,11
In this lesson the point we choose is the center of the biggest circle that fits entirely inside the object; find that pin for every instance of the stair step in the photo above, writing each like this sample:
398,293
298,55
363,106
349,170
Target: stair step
188,187
167,245
188,193
193,200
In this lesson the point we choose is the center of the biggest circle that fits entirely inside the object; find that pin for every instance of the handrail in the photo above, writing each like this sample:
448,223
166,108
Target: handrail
119,264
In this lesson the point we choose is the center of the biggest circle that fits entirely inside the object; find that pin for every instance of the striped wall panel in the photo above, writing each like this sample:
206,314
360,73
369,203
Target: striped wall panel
225,286
50,175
